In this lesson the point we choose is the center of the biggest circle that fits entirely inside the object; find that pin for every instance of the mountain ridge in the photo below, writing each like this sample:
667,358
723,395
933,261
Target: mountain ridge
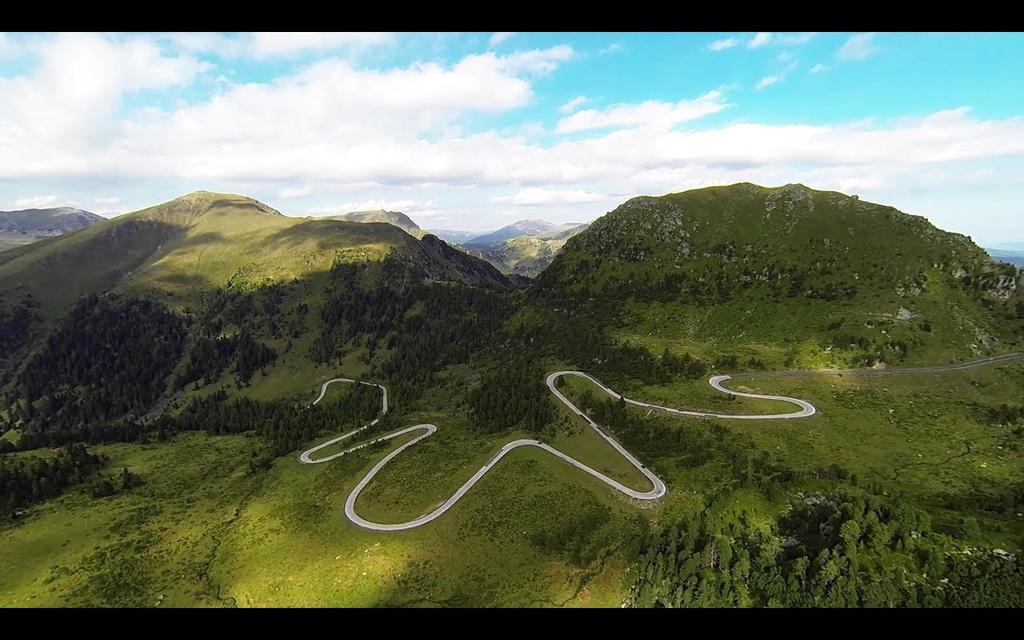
396,218
774,266
25,226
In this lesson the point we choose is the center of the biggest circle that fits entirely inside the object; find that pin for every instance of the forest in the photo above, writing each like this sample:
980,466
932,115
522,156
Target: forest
26,481
107,359
847,546
283,427
839,549
512,395
424,326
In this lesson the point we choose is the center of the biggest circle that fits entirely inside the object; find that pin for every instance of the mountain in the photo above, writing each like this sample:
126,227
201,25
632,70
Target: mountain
809,277
519,229
1007,255
455,236
396,218
526,255
204,241
29,225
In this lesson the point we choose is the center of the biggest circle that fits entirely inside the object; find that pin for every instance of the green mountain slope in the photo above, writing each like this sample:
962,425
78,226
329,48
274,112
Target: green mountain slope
22,227
397,218
798,275
188,252
203,241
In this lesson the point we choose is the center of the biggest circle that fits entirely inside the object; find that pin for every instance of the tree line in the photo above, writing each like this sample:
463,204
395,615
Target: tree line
108,358
26,481
841,549
512,395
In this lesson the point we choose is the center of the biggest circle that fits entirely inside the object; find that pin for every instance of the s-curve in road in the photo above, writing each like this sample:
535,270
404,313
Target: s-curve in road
657,490
804,410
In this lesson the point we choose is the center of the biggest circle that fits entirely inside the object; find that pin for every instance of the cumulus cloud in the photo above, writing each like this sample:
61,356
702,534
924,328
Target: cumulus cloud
366,133
295,192
499,37
533,196
793,39
8,49
818,68
410,207
276,44
766,81
723,44
74,93
283,44
763,39
759,40
614,47
534,61
43,202
648,113
858,47
573,104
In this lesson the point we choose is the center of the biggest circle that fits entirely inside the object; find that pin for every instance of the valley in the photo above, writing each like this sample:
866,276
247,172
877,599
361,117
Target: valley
709,374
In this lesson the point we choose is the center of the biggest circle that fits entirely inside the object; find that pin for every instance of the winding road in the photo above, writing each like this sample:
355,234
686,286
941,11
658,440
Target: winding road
658,489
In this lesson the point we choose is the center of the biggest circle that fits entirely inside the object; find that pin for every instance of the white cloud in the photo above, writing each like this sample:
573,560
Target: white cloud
766,81
8,49
265,45
499,37
108,206
793,39
725,43
295,192
205,42
649,113
535,61
858,47
374,135
76,89
573,104
818,68
409,207
761,39
785,56
533,196
43,202
614,47
274,44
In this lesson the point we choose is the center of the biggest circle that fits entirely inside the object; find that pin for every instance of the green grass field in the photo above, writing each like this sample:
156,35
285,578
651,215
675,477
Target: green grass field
199,532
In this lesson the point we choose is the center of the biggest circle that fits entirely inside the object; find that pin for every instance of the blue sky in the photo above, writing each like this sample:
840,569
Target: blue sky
473,131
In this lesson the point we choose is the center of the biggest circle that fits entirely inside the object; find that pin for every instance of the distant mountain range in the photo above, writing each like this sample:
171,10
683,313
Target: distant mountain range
28,225
1013,256
454,236
531,228
525,248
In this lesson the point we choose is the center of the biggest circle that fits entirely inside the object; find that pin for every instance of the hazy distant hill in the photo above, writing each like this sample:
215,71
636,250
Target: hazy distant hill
526,255
29,225
1007,255
519,229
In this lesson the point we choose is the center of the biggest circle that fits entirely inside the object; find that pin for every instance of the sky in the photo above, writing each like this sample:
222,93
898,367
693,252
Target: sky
477,130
